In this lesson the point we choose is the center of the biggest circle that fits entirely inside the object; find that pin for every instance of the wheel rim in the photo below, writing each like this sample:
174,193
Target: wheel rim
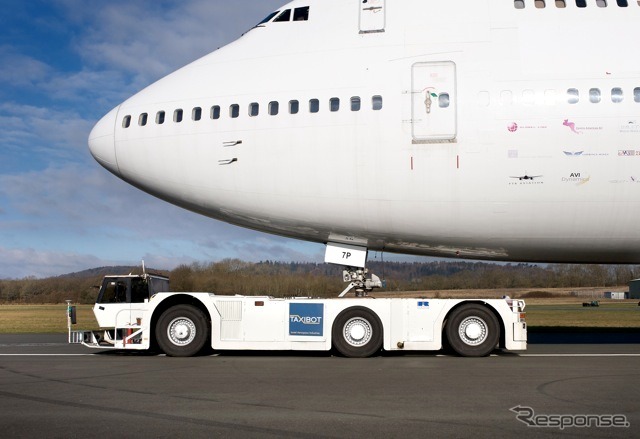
473,331
357,331
181,331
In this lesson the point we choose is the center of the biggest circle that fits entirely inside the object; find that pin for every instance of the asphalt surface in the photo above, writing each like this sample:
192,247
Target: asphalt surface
51,389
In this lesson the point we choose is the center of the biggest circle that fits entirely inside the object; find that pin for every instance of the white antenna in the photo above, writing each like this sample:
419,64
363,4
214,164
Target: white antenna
144,273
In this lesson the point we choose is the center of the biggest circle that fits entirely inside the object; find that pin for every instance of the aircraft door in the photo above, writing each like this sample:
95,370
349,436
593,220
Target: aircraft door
433,102
372,16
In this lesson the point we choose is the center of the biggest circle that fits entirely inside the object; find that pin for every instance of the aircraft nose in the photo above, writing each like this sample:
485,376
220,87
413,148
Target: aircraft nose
102,142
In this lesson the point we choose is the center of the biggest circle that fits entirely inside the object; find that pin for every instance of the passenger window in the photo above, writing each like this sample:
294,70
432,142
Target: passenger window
573,96
506,97
528,97
142,120
285,16
540,4
616,95
126,122
334,104
601,3
314,105
376,102
355,103
636,94
623,3
594,95
196,113
301,14
215,112
581,3
160,117
294,107
444,100
484,99
274,107
177,116
254,109
234,111
550,97
519,4
561,4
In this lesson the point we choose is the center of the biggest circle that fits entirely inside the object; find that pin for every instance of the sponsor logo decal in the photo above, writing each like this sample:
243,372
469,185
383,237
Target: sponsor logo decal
514,126
526,179
585,154
628,153
516,154
578,129
306,319
632,126
631,179
423,304
577,178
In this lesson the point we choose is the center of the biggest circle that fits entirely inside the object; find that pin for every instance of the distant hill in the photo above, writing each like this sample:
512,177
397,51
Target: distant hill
104,271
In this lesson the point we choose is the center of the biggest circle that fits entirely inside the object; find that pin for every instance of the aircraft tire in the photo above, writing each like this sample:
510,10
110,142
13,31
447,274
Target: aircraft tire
357,332
472,330
181,331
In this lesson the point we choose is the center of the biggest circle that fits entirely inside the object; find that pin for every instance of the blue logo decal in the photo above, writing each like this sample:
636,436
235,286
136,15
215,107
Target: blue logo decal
423,304
306,319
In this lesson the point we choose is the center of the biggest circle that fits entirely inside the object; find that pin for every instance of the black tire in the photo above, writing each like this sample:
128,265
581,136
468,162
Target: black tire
182,331
357,333
472,331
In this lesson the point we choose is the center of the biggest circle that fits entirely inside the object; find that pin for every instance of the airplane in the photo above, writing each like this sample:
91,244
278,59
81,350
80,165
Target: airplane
397,126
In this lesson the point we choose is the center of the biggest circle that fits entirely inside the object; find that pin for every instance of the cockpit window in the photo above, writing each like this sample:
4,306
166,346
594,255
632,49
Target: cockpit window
301,14
268,18
285,16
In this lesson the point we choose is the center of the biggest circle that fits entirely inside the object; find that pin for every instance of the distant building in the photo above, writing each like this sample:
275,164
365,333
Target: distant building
616,295
634,289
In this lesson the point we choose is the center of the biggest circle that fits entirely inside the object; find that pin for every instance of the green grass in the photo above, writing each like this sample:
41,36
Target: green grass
607,315
18,319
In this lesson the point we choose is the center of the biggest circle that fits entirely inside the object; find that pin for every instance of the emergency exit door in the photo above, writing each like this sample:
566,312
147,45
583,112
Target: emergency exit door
372,16
433,102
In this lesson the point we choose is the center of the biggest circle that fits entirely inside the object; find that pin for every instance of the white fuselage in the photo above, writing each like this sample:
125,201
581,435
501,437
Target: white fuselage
482,130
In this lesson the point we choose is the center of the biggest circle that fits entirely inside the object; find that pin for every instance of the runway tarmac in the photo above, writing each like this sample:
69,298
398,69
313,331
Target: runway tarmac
51,389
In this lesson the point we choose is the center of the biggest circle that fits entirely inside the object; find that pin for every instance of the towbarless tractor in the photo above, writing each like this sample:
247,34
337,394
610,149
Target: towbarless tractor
139,312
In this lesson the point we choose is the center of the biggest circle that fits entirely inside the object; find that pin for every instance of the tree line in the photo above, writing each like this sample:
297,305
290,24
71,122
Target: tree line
281,279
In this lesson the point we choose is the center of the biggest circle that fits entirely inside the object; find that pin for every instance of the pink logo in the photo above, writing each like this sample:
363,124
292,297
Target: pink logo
513,127
571,125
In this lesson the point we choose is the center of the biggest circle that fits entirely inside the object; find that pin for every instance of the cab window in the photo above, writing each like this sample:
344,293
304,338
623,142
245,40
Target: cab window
139,290
113,291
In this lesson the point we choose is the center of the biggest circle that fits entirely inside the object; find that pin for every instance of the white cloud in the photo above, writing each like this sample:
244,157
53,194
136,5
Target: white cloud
149,39
19,263
58,205
21,70
44,134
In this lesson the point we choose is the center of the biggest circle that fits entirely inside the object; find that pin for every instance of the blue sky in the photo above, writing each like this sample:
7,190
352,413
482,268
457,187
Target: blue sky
65,63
